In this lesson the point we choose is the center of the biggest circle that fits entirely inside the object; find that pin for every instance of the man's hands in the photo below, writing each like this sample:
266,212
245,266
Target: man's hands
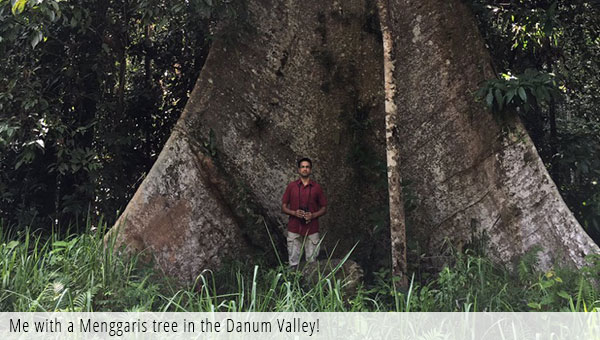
307,215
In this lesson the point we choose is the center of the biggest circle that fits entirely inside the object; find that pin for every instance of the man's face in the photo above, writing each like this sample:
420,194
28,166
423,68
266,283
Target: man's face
304,169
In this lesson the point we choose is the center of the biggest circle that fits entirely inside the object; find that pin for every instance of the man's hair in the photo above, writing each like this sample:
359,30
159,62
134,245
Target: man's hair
305,159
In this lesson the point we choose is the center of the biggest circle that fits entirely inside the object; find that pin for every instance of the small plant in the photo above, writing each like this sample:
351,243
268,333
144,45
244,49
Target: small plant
518,93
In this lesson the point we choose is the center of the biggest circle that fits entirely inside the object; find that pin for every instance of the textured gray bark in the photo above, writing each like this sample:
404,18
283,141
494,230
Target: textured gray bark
295,87
177,216
469,174
303,84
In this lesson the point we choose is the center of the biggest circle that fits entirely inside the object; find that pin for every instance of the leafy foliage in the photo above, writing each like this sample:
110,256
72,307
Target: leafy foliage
88,95
548,53
521,93
473,283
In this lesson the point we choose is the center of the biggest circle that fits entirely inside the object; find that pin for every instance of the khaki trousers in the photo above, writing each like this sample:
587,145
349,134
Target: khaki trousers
297,242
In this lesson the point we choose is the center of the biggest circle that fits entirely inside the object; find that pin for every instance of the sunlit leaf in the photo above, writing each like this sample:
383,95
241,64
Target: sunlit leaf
37,37
18,7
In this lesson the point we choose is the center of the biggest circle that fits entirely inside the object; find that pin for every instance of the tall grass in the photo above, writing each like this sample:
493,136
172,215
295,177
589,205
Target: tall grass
77,273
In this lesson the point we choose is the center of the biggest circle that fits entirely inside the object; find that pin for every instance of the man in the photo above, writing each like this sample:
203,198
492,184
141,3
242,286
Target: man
304,202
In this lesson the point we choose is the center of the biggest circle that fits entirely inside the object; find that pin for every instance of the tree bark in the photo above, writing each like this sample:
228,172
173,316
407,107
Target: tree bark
293,87
470,175
299,84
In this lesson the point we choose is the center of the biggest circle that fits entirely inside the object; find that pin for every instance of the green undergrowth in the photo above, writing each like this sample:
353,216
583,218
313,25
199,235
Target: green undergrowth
75,272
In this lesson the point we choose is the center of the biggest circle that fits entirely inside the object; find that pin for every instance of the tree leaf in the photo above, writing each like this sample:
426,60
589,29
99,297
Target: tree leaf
499,99
12,244
563,294
18,7
37,37
509,95
547,95
522,94
546,284
539,95
489,99
59,244
55,6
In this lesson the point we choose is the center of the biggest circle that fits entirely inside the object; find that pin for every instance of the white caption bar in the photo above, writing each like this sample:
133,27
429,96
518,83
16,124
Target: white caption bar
325,326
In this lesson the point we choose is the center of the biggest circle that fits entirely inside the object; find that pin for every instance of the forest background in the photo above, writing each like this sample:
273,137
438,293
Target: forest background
90,91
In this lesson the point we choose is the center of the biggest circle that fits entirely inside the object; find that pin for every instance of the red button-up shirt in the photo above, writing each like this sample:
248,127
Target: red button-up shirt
304,196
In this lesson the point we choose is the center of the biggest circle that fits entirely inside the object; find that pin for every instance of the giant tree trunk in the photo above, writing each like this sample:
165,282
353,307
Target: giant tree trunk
470,175
308,81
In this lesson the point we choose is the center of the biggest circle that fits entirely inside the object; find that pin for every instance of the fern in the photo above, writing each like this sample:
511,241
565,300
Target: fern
527,265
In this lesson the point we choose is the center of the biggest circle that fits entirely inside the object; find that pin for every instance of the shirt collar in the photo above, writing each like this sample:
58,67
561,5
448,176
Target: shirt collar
299,182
